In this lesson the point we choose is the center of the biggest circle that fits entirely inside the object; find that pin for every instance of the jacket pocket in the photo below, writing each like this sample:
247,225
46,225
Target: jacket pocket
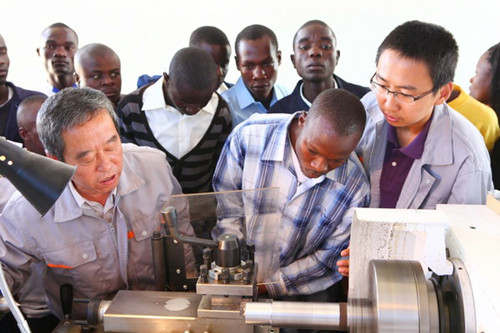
71,257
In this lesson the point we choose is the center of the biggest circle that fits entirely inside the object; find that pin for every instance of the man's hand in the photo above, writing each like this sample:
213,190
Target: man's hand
343,265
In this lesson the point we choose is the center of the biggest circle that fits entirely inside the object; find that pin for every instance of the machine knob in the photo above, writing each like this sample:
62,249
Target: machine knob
228,251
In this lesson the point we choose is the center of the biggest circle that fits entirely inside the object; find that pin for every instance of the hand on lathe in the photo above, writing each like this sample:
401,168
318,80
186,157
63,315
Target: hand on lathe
343,265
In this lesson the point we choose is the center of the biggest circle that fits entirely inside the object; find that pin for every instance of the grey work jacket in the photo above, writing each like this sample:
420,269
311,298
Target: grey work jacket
77,247
454,168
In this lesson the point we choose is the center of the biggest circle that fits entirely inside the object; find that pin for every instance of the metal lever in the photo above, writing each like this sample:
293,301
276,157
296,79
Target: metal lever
169,215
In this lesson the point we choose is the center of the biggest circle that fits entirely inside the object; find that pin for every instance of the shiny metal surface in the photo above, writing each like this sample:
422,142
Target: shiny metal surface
457,300
145,311
359,315
400,297
234,288
159,267
220,307
326,316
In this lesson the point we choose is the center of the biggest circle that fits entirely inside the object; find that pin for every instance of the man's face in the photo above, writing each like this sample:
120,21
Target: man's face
58,47
101,73
27,130
258,62
220,54
319,149
95,148
315,54
4,62
411,77
481,82
187,100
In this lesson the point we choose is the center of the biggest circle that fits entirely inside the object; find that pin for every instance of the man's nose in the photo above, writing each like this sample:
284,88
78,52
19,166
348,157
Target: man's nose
389,101
60,51
315,51
319,164
104,162
107,80
259,72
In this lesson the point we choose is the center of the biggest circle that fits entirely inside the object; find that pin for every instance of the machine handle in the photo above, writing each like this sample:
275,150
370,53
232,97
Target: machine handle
66,294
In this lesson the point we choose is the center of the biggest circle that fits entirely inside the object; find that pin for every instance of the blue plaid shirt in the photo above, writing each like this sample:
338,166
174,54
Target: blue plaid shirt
316,215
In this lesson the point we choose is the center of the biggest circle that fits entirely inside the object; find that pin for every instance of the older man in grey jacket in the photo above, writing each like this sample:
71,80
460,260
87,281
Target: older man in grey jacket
97,235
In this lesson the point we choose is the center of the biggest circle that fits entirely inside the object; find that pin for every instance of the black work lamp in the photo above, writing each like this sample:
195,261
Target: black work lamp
40,180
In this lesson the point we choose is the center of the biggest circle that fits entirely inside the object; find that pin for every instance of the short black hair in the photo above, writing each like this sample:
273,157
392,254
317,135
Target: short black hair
194,68
26,103
61,25
342,109
208,34
494,60
253,32
39,98
425,42
311,22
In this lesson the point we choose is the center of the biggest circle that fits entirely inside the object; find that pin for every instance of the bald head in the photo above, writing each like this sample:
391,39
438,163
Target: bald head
26,122
93,50
97,66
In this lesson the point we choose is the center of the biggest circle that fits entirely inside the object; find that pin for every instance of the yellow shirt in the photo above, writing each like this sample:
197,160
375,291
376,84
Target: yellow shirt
479,114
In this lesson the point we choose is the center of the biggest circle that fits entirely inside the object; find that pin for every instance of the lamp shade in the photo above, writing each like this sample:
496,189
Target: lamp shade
40,180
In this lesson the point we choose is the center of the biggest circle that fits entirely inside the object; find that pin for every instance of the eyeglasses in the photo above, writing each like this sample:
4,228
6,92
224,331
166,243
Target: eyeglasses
398,96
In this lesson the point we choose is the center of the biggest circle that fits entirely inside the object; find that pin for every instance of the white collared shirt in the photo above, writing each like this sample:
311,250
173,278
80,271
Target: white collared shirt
105,212
296,165
304,97
176,132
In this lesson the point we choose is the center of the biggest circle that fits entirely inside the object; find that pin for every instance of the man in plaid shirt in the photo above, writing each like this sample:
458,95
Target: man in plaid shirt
309,156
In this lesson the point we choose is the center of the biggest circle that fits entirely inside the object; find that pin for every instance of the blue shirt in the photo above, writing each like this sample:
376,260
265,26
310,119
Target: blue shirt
397,164
242,104
315,216
56,90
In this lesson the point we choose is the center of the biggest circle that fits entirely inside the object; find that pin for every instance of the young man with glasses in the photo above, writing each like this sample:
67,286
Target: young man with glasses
417,150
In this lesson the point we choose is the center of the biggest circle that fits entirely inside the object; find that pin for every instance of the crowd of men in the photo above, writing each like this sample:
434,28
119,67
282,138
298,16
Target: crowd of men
413,139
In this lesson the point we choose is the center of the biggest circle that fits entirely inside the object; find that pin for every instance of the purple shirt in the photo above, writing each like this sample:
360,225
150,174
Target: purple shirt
397,164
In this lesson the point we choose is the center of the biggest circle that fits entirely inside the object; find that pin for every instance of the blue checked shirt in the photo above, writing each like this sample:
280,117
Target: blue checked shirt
316,215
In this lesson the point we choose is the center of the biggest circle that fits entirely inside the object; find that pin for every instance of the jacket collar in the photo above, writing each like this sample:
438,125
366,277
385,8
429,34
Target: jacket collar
439,138
66,207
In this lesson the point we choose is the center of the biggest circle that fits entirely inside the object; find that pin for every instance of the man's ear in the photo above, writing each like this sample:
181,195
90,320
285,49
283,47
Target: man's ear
444,93
38,51
302,119
292,58
166,77
77,78
278,55
237,62
338,57
23,133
